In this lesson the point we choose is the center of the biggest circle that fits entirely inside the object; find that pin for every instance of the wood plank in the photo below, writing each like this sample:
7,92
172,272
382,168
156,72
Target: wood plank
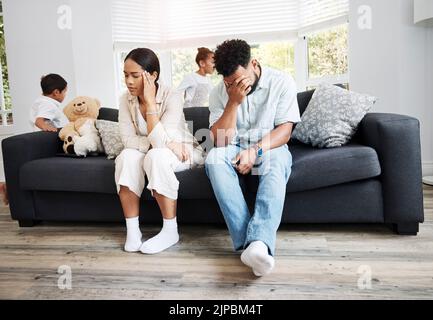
312,262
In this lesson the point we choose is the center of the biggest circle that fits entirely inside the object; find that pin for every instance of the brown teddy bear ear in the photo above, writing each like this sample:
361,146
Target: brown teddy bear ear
98,103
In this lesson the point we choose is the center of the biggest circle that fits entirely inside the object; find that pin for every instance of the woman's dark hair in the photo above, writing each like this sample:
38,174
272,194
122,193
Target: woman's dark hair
146,58
231,54
202,54
51,82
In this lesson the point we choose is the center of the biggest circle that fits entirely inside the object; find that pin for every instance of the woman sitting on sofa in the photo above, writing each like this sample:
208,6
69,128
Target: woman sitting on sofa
157,144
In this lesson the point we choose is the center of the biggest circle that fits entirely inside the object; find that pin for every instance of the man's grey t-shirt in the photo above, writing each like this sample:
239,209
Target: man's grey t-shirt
273,103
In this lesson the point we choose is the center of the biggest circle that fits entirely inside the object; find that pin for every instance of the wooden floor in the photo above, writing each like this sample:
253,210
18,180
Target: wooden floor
312,262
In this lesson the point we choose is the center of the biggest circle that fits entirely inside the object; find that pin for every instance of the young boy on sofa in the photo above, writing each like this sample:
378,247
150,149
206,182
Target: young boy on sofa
46,113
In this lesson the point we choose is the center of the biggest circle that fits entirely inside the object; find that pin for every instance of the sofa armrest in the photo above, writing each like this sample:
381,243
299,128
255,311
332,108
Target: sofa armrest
396,139
17,150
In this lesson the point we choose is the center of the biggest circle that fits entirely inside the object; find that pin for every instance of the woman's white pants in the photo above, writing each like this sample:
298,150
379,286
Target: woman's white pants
159,165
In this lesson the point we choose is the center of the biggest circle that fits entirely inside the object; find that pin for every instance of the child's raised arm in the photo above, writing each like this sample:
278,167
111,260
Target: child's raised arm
45,125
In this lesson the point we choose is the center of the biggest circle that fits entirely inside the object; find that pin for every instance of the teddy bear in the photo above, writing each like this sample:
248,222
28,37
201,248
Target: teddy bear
80,135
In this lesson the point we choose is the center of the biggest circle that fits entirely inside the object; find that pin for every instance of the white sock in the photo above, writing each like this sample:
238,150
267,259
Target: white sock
133,235
256,256
167,237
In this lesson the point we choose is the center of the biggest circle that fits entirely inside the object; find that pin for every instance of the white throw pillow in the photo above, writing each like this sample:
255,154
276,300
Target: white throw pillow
332,116
110,136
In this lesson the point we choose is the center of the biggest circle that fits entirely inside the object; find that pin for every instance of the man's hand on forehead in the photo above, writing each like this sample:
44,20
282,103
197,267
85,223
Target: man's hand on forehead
241,80
238,89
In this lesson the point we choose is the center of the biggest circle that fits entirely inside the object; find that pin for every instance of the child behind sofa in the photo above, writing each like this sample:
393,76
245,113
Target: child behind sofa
46,114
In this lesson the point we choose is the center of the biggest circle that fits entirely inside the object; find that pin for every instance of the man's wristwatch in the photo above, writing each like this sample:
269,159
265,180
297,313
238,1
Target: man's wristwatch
259,150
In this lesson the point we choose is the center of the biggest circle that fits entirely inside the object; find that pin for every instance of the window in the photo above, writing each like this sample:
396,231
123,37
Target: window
5,99
323,60
119,57
183,63
277,55
297,36
173,23
328,56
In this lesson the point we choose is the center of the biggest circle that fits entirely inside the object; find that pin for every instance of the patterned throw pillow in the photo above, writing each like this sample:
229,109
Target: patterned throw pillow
110,135
332,116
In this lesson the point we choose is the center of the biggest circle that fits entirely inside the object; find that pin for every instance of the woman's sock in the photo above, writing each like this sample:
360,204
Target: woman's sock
167,237
256,256
133,235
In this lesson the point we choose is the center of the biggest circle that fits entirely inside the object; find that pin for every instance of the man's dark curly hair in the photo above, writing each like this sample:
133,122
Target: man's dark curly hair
231,54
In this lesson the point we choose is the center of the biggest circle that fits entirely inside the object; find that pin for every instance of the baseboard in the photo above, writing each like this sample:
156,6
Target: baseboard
427,168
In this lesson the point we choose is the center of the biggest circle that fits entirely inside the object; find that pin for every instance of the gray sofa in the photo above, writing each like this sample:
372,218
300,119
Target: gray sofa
376,178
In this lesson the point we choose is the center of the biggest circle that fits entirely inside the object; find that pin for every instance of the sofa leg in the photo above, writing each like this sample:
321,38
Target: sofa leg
26,223
407,228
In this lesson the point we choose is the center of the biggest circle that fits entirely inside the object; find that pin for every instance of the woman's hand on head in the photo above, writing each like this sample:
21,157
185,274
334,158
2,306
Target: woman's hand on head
149,88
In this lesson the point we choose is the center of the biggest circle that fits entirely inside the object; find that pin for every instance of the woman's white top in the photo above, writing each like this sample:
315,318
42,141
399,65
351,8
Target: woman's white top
196,89
142,125
171,126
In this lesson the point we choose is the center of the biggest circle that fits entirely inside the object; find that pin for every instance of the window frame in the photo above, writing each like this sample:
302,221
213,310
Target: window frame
306,81
5,128
301,60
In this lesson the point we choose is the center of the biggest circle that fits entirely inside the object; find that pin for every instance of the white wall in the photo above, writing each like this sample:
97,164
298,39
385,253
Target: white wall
35,46
92,47
429,99
392,61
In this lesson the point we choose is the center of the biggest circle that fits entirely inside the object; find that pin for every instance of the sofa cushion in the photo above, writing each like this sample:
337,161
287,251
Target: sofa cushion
96,174
314,168
90,174
303,100
109,114
197,119
194,184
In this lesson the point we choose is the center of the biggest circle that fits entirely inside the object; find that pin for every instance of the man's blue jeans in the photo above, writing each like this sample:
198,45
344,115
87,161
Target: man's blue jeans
273,171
